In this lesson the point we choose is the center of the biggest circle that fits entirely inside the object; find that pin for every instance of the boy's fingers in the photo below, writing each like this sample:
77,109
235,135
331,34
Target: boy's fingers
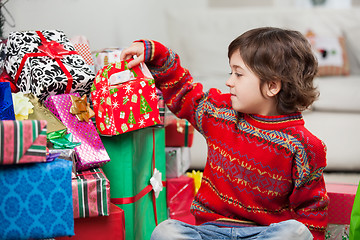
126,54
136,61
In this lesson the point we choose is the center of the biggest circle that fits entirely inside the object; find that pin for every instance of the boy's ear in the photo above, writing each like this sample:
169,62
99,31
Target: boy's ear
273,88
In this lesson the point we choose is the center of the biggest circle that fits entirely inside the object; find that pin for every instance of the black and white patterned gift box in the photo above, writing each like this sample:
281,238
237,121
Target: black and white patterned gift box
45,63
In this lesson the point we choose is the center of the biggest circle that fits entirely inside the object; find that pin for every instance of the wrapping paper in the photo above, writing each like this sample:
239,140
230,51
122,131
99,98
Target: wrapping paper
197,176
5,77
2,56
105,57
341,202
355,217
22,106
100,228
6,102
67,154
36,200
178,132
91,153
178,161
337,232
46,63
82,46
91,194
180,194
129,105
40,112
130,171
161,106
22,141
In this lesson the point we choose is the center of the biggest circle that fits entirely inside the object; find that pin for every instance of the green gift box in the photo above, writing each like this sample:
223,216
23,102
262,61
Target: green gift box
134,156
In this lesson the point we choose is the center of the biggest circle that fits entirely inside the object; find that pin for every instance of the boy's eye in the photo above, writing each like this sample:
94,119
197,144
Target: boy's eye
236,74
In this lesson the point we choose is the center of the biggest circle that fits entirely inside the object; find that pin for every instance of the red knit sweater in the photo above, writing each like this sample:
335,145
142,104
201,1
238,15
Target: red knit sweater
259,168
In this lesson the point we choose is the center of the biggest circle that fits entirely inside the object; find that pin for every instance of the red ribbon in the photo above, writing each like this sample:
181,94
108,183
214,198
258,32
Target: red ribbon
143,192
53,50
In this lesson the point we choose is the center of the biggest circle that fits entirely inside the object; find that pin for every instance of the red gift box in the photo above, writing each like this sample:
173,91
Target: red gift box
124,99
178,132
180,194
341,202
100,228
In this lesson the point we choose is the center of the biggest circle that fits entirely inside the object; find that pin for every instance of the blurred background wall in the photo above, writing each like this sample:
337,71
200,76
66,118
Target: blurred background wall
116,23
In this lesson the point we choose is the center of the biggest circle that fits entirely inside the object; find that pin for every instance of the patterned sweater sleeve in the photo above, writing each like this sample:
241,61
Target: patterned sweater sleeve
181,95
309,199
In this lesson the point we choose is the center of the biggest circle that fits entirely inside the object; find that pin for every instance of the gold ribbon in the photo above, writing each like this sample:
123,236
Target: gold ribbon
81,108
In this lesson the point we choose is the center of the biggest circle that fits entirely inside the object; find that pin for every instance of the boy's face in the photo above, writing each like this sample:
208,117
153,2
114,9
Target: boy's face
246,96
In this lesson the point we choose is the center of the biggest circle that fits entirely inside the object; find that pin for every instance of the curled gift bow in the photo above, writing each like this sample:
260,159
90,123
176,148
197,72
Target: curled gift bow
53,49
22,106
81,108
61,140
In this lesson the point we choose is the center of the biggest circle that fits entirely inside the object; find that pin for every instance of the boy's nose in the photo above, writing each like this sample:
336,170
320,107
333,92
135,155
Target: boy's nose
228,82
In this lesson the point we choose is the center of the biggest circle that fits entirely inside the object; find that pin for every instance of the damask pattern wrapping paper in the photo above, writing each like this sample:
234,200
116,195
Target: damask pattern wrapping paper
46,63
36,200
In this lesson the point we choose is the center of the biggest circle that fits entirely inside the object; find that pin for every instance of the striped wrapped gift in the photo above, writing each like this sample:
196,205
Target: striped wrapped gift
91,194
22,141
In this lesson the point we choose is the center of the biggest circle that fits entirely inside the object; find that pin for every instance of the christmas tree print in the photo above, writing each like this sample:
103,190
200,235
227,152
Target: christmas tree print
107,120
93,88
144,105
131,119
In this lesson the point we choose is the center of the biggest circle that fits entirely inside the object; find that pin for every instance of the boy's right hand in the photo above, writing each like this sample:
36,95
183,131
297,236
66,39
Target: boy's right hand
137,49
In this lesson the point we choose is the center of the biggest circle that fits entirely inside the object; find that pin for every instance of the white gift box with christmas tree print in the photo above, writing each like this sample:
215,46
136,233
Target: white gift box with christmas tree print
124,102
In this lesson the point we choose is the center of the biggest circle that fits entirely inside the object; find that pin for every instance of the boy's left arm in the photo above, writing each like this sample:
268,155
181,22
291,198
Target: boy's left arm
309,199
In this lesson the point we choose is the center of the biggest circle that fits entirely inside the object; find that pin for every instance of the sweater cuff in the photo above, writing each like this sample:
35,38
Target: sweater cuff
149,51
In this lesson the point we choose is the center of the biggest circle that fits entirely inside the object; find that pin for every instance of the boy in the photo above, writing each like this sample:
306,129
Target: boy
263,177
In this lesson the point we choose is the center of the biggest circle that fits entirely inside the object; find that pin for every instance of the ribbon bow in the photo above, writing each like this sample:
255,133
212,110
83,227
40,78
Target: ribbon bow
53,49
81,108
61,140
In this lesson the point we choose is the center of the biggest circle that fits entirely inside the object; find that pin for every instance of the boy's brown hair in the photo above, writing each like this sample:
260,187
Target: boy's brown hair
279,54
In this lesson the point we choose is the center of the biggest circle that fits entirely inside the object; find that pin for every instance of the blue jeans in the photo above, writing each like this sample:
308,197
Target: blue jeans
175,230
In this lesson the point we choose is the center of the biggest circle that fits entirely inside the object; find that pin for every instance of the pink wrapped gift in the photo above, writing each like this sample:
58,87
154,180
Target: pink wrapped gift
91,194
341,202
91,153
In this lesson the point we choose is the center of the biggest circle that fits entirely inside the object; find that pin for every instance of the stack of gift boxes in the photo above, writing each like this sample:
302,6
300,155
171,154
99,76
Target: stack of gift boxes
179,134
68,131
